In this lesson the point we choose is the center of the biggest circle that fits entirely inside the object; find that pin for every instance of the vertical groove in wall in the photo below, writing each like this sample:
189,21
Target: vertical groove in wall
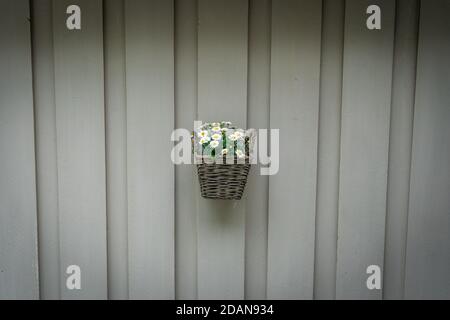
258,117
269,150
45,140
116,148
329,149
185,114
400,145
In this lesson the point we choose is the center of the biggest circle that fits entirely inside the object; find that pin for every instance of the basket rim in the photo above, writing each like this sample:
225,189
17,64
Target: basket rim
228,160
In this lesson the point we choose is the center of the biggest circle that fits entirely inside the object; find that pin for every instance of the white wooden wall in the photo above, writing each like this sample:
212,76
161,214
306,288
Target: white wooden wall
85,170
18,228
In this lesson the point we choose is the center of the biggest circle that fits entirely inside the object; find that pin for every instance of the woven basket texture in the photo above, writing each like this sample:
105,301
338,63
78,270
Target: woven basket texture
222,181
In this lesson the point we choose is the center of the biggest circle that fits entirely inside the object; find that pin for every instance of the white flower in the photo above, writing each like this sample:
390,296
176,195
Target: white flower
224,129
224,151
240,154
215,124
214,144
203,134
233,137
216,136
216,129
239,134
204,140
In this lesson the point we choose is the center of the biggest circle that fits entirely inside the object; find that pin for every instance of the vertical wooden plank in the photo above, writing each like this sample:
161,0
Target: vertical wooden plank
328,149
403,87
222,95
81,147
18,228
150,121
366,100
294,106
428,245
116,148
222,61
258,117
185,114
46,159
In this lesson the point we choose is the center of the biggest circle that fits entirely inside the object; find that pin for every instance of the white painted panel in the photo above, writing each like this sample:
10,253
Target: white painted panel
400,139
366,100
294,109
222,96
81,147
185,177
329,149
46,159
18,228
116,148
150,121
428,245
258,117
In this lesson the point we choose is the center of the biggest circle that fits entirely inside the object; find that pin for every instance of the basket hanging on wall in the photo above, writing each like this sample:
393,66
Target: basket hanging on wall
223,157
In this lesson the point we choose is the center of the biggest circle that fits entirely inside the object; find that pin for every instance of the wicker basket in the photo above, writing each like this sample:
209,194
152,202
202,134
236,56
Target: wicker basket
222,181
225,180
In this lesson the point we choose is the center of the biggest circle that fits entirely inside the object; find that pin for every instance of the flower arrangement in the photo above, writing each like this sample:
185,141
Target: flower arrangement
220,139
218,145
